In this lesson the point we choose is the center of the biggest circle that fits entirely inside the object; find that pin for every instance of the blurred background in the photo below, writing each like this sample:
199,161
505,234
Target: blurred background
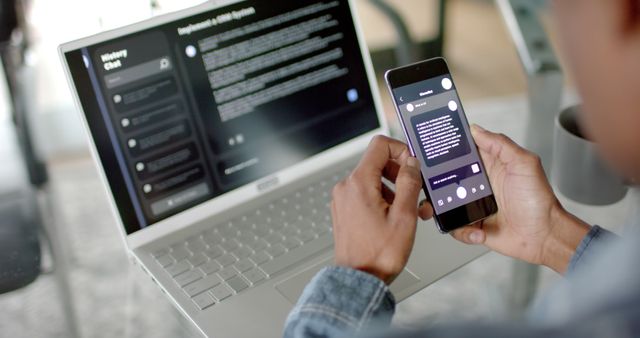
62,263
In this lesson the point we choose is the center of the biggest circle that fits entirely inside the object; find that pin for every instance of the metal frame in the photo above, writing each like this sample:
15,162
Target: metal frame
408,51
544,75
545,90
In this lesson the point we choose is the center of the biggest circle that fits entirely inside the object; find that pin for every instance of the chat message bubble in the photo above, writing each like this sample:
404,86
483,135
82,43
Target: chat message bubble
440,135
166,161
153,115
145,94
168,134
454,176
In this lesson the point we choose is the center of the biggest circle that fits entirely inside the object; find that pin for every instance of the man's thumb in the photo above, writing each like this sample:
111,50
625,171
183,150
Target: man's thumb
408,185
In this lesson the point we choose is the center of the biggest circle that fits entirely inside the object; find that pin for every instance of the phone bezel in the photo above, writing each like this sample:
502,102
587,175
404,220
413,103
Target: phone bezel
471,212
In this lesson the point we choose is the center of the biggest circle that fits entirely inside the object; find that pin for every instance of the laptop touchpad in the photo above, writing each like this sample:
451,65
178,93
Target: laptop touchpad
292,288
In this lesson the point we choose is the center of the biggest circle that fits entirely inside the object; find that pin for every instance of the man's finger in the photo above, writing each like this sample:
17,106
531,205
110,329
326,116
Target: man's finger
498,146
425,210
391,170
471,234
408,185
388,194
380,151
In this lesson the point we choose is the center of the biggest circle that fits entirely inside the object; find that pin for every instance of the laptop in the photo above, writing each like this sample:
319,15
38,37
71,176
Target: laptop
219,132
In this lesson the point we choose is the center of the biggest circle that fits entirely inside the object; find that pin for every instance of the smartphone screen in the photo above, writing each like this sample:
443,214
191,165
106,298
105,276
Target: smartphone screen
438,134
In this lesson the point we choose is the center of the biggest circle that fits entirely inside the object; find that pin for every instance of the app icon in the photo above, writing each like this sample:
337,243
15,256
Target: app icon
446,83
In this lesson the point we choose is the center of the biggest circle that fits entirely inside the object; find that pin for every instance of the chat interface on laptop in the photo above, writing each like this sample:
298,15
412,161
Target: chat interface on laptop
188,110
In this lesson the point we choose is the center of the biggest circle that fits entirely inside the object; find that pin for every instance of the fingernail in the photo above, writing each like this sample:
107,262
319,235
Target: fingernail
477,127
475,237
413,162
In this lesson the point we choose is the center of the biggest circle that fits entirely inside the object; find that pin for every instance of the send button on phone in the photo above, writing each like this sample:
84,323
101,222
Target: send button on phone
461,192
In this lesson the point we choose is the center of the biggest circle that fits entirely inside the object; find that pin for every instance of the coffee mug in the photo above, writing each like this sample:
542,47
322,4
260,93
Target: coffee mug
577,170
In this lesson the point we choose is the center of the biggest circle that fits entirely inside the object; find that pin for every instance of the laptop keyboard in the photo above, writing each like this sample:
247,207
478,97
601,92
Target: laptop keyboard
238,254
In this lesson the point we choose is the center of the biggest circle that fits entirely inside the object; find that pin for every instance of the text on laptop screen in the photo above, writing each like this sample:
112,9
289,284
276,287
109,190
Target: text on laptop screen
186,111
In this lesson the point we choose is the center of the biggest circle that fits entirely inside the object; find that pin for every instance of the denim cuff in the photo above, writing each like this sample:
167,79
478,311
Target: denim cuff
596,239
344,299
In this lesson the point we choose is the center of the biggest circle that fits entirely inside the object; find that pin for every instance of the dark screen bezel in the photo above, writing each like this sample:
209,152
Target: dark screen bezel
471,212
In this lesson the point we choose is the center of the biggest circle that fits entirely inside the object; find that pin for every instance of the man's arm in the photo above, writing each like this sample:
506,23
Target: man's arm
597,241
374,229
339,301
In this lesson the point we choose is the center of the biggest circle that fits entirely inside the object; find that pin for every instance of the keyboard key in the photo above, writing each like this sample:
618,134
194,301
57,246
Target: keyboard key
221,292
179,253
291,243
238,221
229,245
212,238
246,237
289,231
276,225
203,300
178,268
254,275
197,259
228,273
228,232
202,285
237,284
188,277
243,252
320,230
197,245
276,250
160,252
260,257
294,256
210,267
226,260
261,231
244,265
248,244
305,224
306,236
214,252
274,238
165,261
259,245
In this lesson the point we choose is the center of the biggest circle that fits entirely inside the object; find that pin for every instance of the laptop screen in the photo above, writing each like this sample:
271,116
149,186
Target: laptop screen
189,110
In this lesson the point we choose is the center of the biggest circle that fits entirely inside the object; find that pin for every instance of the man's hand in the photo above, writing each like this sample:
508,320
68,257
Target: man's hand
374,228
530,225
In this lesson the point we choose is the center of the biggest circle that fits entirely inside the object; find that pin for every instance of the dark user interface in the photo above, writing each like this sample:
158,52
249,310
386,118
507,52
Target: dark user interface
439,135
192,109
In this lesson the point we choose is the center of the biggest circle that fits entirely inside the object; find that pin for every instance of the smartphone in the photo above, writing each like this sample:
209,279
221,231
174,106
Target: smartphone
438,134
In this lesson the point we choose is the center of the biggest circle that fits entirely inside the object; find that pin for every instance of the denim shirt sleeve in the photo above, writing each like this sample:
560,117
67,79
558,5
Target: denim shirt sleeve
591,247
340,301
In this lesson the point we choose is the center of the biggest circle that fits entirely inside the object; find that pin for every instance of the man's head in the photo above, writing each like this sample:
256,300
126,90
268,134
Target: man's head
601,41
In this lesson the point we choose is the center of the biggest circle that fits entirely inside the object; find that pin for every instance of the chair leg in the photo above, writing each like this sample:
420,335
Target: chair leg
53,234
524,284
